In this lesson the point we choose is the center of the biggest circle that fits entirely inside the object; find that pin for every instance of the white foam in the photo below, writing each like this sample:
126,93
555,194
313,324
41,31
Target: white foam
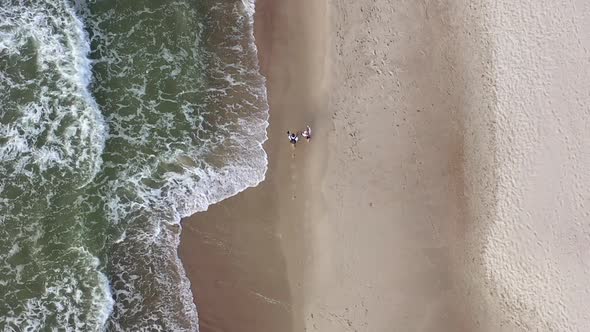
201,182
249,7
13,251
63,111
63,300
67,54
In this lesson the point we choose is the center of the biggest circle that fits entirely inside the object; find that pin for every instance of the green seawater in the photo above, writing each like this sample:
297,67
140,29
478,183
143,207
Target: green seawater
118,118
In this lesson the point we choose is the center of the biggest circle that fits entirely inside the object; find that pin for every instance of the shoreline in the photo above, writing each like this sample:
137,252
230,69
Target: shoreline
246,256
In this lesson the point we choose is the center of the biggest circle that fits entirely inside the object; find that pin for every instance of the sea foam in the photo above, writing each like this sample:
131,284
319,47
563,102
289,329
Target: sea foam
186,112
51,138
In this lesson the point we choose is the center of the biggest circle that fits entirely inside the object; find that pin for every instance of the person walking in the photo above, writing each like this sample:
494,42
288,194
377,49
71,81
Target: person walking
293,137
307,133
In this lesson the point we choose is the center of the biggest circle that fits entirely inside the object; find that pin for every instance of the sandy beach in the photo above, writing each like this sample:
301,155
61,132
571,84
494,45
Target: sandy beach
246,257
445,187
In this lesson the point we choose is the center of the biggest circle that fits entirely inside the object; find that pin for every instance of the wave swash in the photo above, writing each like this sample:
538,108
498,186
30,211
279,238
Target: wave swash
116,120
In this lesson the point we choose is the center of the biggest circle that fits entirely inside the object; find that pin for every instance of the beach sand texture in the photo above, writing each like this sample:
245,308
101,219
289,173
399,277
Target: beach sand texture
526,174
446,186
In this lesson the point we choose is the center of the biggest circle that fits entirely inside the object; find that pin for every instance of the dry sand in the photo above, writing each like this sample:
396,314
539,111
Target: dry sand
445,189
383,247
527,167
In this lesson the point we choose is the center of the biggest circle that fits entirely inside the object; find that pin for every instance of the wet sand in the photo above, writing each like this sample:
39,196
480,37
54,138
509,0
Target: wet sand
245,256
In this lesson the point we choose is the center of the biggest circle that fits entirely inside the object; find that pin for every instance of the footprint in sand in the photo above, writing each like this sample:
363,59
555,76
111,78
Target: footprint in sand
293,176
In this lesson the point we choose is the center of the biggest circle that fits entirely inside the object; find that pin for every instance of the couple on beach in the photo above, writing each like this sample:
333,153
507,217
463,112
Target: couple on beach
294,137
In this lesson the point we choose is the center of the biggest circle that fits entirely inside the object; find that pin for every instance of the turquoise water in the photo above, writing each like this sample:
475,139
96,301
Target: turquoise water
117,118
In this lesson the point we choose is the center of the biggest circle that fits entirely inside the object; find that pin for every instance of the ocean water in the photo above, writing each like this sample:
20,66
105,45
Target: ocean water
118,118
